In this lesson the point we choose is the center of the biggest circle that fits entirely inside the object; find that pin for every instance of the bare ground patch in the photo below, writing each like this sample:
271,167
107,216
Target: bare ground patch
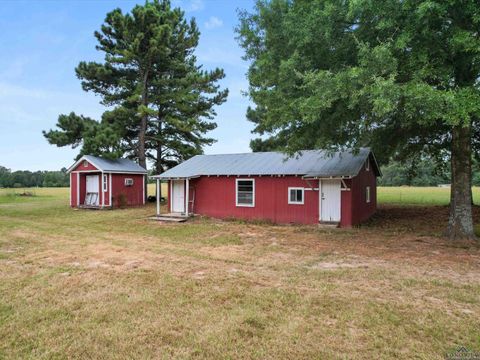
392,288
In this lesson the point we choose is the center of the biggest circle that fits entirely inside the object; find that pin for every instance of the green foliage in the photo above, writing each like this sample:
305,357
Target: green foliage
393,75
22,179
161,103
422,173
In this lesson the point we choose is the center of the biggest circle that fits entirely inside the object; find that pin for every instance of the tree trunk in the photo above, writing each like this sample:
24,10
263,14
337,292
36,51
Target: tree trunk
142,156
460,224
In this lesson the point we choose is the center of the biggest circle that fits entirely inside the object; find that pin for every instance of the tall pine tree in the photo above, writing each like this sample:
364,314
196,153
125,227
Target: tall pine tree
161,103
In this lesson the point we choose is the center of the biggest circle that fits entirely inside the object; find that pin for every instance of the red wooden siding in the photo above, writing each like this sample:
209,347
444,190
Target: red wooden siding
133,194
363,210
346,208
215,196
73,189
80,167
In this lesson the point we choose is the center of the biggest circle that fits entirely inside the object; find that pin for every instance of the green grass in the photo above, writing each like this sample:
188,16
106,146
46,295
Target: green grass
111,284
419,195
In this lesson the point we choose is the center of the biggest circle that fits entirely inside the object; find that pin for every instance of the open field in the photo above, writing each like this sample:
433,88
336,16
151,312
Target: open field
110,284
419,195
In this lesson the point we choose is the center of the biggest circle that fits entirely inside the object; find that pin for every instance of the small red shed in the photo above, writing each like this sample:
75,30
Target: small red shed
311,187
96,182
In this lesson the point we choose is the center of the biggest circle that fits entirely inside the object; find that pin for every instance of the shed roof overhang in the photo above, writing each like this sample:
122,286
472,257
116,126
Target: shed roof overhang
160,177
323,177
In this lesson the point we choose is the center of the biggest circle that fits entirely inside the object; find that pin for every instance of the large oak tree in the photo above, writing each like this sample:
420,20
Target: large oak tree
401,76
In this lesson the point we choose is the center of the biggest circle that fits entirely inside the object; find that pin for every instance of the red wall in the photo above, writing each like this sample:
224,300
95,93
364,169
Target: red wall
362,209
80,167
134,194
73,189
215,196
346,208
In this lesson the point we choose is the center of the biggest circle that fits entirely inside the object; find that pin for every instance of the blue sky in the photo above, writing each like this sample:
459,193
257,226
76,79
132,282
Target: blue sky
41,43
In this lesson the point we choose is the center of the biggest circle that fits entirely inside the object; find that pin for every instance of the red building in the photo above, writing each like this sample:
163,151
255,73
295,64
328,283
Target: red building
311,187
98,183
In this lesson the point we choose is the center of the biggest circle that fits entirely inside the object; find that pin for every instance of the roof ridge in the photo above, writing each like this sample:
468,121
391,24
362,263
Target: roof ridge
261,152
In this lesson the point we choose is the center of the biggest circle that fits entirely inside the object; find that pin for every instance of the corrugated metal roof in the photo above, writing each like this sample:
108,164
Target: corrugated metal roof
117,165
311,163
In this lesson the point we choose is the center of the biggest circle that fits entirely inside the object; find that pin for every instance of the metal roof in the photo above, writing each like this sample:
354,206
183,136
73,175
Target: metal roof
107,165
308,163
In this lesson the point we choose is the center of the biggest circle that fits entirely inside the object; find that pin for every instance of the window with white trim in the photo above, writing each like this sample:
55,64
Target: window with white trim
85,163
128,182
105,183
296,195
367,194
245,192
367,165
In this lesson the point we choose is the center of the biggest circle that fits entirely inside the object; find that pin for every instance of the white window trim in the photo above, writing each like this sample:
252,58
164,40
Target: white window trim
367,165
85,163
296,202
367,194
105,182
236,193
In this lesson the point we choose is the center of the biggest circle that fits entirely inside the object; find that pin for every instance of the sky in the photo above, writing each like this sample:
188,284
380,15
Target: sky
41,43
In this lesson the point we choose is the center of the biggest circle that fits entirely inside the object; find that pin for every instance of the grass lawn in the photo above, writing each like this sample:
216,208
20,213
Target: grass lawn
419,195
110,284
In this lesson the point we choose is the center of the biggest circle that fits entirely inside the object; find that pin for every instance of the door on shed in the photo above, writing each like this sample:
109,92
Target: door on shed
92,193
330,200
178,196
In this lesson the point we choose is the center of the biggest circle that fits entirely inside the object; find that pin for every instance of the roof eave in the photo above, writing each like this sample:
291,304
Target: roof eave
326,177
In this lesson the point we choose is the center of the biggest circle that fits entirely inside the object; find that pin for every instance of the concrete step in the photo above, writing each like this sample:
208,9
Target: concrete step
168,218
328,225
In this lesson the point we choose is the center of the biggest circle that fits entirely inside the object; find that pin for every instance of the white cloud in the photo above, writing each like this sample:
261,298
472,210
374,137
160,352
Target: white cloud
196,5
190,6
213,23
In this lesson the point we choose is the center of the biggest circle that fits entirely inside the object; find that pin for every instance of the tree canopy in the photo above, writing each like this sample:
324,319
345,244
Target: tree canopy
17,179
398,76
160,101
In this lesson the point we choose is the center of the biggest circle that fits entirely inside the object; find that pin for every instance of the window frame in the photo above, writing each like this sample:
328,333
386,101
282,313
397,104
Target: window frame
368,195
236,192
367,165
105,182
290,201
85,163
128,180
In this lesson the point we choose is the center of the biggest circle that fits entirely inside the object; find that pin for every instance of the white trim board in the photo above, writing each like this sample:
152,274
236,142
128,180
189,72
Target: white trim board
110,190
78,189
109,172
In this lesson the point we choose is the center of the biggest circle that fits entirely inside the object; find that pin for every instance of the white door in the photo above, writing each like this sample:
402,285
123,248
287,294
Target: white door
92,195
178,196
330,200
